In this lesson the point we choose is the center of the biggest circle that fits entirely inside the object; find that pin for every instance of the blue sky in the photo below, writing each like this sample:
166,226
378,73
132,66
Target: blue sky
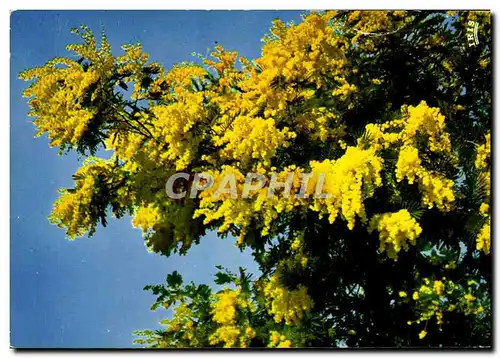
88,293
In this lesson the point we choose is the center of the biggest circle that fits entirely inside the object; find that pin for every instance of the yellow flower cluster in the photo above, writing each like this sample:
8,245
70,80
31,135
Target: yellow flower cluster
408,165
431,293
217,204
348,181
224,63
127,146
184,326
182,315
436,189
74,209
98,54
166,136
253,138
334,187
438,287
483,165
165,224
181,77
71,210
434,298
59,87
248,335
55,100
396,231
227,335
319,124
484,209
224,308
287,305
173,126
277,340
225,313
131,64
483,241
218,201
147,217
307,50
297,251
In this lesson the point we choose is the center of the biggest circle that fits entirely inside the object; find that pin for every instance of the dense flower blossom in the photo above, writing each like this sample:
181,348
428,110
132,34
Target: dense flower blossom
287,305
348,181
225,313
396,230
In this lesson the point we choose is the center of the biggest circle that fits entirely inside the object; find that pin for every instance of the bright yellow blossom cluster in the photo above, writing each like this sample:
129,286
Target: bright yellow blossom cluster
225,313
403,133
307,50
253,138
147,217
348,181
422,119
173,126
278,340
224,64
76,208
396,231
57,93
219,202
181,77
126,145
56,100
72,209
166,224
285,304
483,165
319,124
98,54
483,241
225,307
